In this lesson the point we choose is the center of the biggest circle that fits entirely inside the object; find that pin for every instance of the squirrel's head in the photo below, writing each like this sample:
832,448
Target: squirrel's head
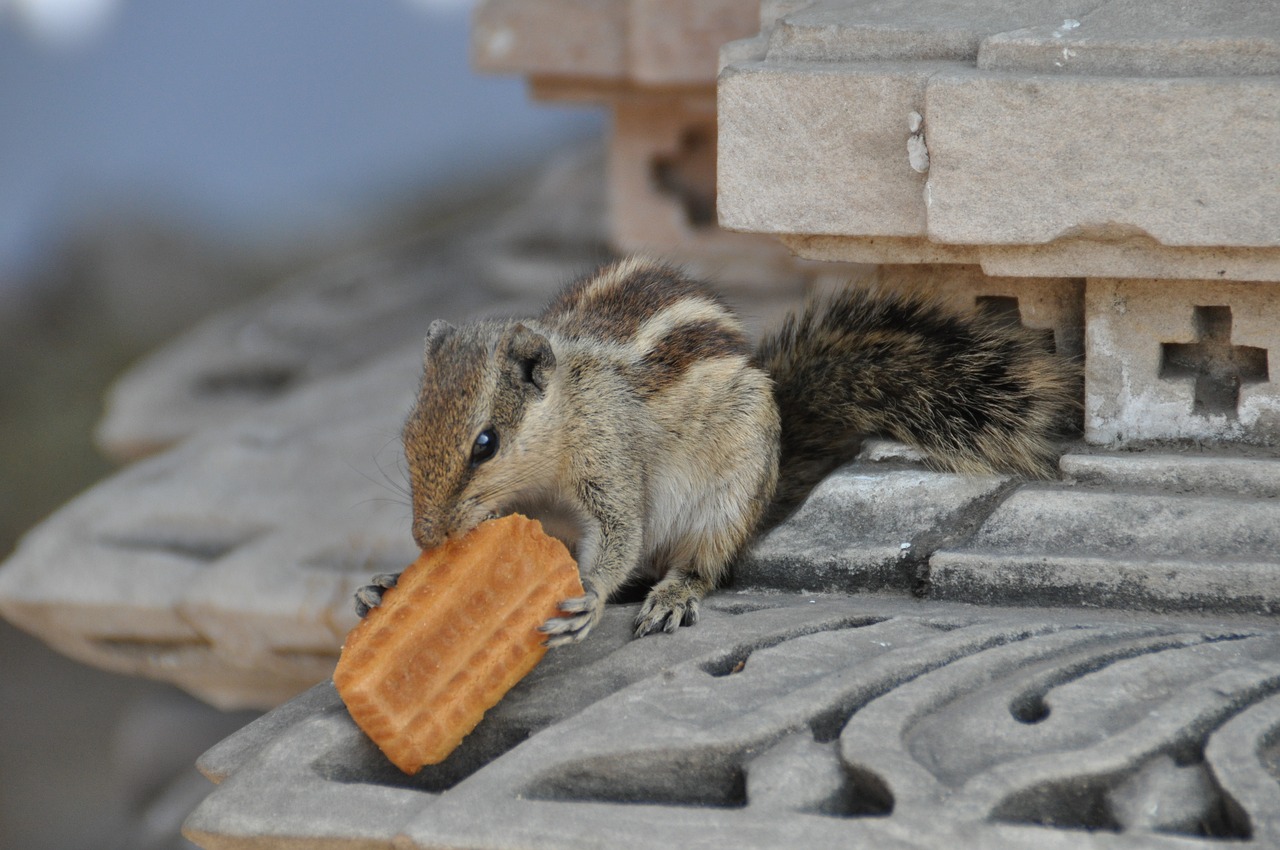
469,456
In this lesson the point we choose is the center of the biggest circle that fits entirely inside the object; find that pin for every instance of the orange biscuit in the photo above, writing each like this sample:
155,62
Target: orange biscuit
456,633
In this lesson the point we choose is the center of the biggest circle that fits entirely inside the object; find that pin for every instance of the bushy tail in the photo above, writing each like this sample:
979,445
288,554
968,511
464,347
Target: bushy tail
973,392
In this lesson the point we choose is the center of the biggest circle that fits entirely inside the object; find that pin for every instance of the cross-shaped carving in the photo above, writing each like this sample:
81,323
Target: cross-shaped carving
1004,308
1218,367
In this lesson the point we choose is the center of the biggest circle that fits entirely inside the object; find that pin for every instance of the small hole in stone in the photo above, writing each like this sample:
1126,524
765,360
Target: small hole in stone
1030,709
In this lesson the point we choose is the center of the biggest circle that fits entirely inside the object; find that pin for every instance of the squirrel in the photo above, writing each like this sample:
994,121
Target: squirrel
636,421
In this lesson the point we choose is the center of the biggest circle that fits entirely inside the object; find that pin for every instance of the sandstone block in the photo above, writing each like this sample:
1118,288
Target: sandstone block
1020,159
662,194
820,148
1125,39
1193,360
644,42
1052,139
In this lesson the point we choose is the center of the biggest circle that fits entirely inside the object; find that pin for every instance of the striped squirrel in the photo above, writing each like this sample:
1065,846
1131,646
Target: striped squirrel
635,420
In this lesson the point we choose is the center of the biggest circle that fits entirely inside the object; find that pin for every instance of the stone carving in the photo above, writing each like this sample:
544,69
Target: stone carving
814,721
1181,360
1217,367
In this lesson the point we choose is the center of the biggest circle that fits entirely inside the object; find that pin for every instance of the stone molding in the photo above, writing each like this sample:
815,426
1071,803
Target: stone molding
1121,139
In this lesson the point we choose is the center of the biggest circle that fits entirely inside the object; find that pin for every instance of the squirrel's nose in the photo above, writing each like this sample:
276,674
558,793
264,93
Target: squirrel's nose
425,534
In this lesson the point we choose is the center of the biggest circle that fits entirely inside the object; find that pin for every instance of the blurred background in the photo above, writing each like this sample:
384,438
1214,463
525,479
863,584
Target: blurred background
159,161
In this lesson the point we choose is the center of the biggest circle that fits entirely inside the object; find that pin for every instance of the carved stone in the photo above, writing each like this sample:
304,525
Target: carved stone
808,721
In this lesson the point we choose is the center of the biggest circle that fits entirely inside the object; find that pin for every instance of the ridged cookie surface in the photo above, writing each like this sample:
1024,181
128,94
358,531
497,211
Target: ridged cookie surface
456,633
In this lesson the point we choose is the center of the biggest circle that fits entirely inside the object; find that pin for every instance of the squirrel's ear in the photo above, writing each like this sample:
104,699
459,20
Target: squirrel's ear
436,334
532,356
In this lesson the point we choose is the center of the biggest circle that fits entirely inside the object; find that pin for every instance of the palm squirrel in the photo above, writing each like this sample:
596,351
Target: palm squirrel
635,420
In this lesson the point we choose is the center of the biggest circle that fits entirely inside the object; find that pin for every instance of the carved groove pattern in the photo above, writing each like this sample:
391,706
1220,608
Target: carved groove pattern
786,721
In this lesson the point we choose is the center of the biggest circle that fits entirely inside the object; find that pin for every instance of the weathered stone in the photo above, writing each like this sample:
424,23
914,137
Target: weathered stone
510,36
1026,160
1081,171
868,528
1226,472
1123,256
1049,545
653,64
1181,360
820,722
1239,37
662,196
227,564
850,121
903,30
644,42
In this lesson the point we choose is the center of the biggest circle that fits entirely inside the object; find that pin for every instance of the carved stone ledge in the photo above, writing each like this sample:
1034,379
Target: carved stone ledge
814,721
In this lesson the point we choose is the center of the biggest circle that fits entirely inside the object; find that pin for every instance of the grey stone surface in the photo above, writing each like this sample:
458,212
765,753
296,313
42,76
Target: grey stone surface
866,527
1158,530
1225,472
1179,530
788,720
227,563
1049,546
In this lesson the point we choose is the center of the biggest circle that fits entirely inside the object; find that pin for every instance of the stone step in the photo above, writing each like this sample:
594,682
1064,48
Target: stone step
1050,545
1225,472
868,527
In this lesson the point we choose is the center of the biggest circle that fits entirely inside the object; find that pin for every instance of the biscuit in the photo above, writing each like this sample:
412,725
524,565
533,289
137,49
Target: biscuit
458,631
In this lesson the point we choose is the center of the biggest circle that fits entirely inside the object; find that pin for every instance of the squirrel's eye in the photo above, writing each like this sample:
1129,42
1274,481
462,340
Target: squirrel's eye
485,446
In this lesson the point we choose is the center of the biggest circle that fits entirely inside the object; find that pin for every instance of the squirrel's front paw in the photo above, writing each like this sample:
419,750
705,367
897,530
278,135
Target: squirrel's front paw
585,612
370,596
665,609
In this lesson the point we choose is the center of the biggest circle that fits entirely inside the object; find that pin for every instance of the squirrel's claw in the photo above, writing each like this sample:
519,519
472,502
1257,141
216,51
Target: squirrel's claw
586,611
370,596
666,614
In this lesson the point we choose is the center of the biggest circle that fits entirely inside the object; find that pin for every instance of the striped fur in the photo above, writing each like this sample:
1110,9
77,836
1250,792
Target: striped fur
633,418
976,394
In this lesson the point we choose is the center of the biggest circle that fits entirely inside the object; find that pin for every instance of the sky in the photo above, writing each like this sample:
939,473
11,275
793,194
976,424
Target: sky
245,117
